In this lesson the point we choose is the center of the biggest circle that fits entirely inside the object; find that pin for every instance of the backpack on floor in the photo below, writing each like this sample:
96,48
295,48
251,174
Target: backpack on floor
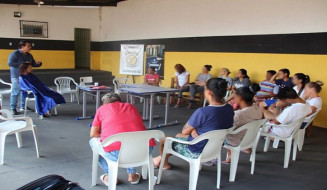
51,182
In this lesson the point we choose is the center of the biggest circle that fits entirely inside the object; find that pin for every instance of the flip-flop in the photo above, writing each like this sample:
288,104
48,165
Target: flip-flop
102,179
137,181
157,167
225,162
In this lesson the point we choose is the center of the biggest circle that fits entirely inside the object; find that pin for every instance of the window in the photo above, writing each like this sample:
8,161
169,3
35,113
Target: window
33,29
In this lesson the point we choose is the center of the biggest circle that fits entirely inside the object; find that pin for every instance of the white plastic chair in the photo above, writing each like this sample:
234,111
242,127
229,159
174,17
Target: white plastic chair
212,150
300,134
119,81
134,152
64,87
12,125
32,99
288,140
5,91
248,141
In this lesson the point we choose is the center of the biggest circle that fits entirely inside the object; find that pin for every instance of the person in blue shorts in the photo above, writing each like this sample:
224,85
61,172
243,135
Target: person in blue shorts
218,115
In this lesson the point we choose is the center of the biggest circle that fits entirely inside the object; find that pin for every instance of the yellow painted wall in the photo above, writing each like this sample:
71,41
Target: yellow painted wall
95,60
52,59
255,63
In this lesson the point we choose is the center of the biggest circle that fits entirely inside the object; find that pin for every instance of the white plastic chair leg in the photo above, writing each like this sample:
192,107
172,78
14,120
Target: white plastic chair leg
112,176
288,146
235,154
36,139
275,144
77,97
194,174
95,160
252,159
19,139
55,110
218,170
71,97
300,139
267,143
294,149
163,157
2,147
145,172
25,109
151,174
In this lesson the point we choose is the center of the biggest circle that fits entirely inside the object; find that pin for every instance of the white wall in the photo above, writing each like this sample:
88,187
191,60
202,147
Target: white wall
61,20
146,19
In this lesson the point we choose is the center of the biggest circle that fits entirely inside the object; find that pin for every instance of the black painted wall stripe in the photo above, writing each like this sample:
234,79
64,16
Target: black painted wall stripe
38,44
305,43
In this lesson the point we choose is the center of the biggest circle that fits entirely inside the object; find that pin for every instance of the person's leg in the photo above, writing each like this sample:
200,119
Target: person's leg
14,93
199,89
23,96
193,91
180,94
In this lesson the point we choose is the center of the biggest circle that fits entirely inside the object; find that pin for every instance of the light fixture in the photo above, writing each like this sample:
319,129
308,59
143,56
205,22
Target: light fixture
39,2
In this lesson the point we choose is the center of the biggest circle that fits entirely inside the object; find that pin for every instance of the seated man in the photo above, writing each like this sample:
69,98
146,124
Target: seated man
218,115
267,89
112,118
288,109
45,98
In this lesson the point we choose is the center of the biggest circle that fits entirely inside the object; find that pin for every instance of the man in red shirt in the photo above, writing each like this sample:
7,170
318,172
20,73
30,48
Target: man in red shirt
111,118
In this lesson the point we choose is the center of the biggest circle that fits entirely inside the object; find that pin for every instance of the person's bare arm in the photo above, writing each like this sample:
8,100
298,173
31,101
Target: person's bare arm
95,132
176,79
187,129
145,80
269,114
313,110
187,81
273,78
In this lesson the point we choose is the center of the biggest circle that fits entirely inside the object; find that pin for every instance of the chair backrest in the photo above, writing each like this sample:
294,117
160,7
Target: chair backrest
5,83
86,80
63,83
296,126
134,150
228,93
311,118
252,128
215,141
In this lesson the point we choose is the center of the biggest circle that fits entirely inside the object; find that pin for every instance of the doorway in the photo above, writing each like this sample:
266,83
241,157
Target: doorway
82,38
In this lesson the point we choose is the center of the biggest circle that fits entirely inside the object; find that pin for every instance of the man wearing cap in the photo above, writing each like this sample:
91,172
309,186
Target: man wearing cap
15,59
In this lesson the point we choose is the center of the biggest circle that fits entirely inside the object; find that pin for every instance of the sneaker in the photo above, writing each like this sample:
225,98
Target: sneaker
209,163
14,112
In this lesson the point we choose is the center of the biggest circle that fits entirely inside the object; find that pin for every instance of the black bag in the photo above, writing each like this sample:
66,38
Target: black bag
51,182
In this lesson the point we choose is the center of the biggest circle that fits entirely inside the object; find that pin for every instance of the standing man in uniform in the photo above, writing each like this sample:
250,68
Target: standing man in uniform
17,58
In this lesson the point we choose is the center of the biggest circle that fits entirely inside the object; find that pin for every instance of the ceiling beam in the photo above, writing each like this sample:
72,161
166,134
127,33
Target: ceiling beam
64,3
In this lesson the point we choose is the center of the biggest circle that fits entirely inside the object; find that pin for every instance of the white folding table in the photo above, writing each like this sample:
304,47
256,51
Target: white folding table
87,89
145,90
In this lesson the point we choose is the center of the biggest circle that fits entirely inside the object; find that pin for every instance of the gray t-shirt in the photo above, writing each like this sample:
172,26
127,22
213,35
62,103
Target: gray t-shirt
244,83
204,78
228,80
241,118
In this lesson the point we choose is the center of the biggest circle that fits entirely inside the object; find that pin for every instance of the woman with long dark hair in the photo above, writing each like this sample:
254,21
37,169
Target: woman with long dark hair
300,80
45,98
241,80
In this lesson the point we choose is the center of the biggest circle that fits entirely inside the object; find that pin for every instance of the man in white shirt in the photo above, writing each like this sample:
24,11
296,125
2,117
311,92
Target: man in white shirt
288,109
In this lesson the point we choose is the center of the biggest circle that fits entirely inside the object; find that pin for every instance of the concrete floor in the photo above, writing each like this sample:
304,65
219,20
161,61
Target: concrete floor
65,151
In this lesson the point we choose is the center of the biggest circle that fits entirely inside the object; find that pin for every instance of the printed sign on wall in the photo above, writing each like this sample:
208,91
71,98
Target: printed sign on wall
131,59
155,58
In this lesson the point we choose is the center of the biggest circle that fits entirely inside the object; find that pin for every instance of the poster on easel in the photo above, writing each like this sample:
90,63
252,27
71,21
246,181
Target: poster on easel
131,59
155,58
